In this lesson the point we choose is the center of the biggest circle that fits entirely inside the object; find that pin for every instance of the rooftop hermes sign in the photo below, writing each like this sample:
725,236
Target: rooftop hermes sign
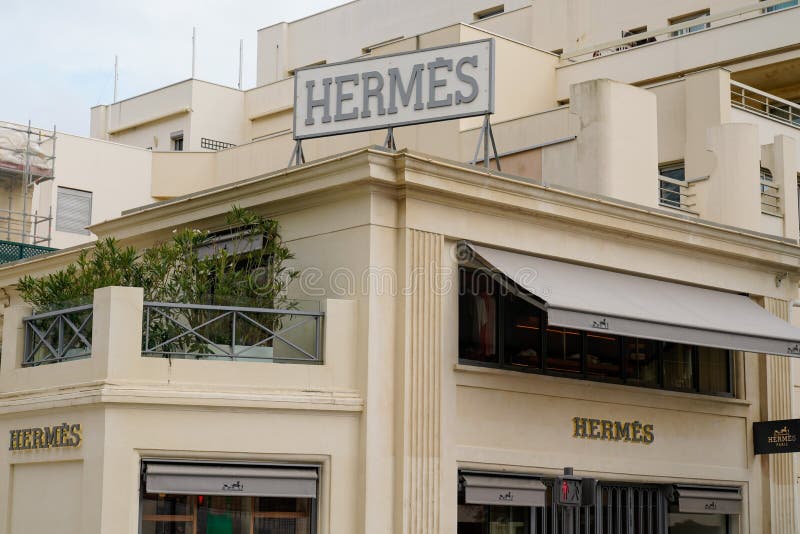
428,85
773,437
606,430
48,437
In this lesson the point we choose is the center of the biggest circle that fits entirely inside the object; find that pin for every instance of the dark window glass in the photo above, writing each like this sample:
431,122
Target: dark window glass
564,348
523,327
602,356
669,193
641,362
678,366
698,523
477,317
713,370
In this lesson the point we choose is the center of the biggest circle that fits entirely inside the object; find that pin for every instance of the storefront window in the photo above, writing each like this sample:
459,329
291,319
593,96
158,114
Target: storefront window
499,327
564,349
216,514
602,356
678,366
641,362
523,332
477,316
481,519
698,523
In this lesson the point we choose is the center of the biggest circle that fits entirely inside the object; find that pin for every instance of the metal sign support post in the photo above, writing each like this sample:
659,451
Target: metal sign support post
297,157
484,137
389,141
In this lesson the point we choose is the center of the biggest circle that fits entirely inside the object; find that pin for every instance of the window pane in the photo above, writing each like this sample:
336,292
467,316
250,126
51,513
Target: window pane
698,524
602,356
281,515
471,518
641,362
564,349
477,317
713,370
678,368
509,519
523,328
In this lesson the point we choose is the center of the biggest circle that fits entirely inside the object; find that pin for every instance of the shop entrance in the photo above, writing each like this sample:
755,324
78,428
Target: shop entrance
618,509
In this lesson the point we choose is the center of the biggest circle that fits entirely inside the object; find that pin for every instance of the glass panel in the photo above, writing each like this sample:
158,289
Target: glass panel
678,368
523,323
602,356
477,316
713,368
274,515
641,361
564,349
509,520
471,518
223,515
167,514
698,524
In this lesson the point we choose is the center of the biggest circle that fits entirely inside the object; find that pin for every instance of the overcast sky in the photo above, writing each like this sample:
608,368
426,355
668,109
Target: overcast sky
58,55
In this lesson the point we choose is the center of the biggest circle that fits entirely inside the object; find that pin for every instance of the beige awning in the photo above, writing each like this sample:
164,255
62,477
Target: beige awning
592,299
506,491
709,500
246,481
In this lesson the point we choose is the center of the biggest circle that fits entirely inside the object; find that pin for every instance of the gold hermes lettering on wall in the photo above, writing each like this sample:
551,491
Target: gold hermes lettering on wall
48,437
606,430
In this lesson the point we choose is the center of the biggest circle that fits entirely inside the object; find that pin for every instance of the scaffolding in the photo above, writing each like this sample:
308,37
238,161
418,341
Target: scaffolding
27,159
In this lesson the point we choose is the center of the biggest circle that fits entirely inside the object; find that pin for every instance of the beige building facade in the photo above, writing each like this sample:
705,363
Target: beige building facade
617,300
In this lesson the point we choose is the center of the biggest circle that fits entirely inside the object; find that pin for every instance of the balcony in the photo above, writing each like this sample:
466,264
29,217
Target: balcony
119,338
764,104
187,331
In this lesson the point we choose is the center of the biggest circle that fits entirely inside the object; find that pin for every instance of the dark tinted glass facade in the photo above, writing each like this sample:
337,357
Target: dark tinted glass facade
500,327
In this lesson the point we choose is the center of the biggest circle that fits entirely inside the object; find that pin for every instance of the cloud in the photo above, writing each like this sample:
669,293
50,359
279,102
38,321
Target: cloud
64,51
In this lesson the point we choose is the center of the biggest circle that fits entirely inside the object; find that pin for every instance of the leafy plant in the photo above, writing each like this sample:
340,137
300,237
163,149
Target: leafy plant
244,264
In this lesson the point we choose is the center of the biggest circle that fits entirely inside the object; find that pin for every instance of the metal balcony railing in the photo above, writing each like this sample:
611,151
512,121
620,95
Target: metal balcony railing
679,30
211,332
58,336
770,106
675,193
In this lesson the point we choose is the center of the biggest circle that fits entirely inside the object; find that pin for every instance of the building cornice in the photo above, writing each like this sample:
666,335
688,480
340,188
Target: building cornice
407,174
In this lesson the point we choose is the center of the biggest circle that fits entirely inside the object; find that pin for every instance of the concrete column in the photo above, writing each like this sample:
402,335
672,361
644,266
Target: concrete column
783,513
784,173
732,193
13,339
420,459
617,142
708,104
117,330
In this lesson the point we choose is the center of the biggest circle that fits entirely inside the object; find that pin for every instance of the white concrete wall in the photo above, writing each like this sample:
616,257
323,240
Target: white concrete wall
118,176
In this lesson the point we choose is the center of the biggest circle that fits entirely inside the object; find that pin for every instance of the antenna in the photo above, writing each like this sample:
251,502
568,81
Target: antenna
194,48
241,58
116,76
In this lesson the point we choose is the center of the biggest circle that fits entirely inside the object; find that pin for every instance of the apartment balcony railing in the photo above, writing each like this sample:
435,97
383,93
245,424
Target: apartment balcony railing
58,336
211,332
770,198
676,31
675,194
770,106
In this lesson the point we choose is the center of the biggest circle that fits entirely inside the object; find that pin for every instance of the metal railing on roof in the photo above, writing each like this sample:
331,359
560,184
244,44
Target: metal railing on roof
764,104
674,31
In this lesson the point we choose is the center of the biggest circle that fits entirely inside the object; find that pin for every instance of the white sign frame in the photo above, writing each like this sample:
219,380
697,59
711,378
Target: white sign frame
305,73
